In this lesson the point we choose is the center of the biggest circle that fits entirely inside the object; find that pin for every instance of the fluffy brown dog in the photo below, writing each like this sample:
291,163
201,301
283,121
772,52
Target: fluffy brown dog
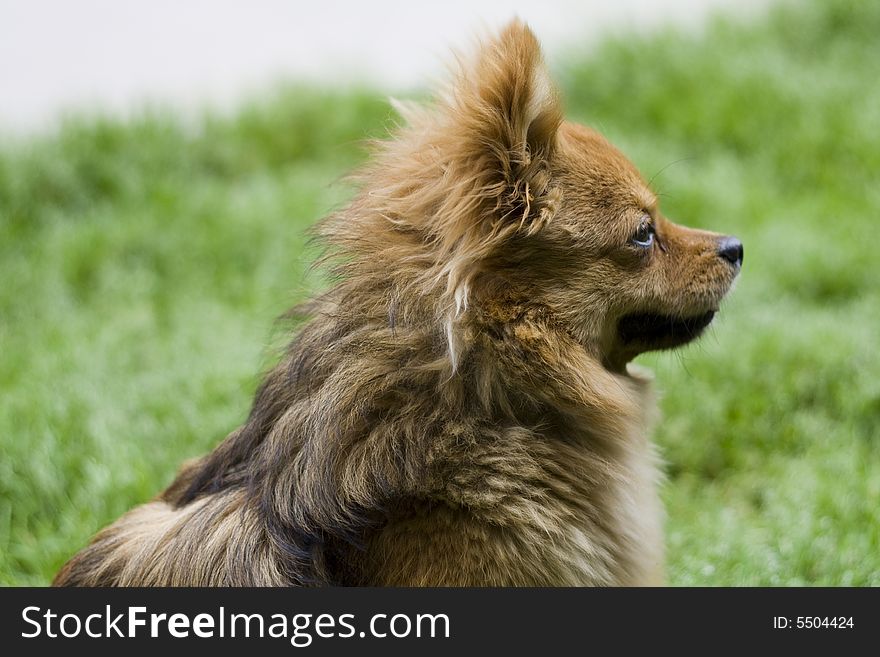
458,409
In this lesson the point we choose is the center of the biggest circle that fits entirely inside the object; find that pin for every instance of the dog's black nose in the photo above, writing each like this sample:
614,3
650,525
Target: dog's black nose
731,249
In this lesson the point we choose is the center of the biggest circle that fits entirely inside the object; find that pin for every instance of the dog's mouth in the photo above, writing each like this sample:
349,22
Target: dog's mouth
653,331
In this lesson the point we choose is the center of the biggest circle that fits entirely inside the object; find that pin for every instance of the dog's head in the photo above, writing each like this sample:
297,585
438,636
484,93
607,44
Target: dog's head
516,203
633,280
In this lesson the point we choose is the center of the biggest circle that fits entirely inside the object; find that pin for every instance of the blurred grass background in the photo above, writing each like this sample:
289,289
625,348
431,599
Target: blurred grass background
142,264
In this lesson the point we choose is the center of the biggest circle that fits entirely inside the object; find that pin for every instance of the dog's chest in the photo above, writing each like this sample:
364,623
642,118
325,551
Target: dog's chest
611,532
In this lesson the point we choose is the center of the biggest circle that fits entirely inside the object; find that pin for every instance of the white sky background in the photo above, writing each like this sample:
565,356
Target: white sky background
114,55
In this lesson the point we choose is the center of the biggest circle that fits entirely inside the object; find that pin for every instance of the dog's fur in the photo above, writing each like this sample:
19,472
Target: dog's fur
457,409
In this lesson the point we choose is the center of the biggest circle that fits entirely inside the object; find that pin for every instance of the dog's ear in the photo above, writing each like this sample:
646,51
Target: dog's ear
507,114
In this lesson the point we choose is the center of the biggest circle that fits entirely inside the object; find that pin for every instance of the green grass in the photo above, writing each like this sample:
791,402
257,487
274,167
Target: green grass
142,264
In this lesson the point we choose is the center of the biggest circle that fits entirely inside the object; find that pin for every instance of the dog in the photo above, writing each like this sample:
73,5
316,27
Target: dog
459,409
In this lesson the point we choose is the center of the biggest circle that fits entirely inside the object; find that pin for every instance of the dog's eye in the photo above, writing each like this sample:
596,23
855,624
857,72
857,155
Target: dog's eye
644,236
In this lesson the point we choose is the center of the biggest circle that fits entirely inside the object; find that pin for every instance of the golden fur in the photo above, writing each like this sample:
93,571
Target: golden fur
458,408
